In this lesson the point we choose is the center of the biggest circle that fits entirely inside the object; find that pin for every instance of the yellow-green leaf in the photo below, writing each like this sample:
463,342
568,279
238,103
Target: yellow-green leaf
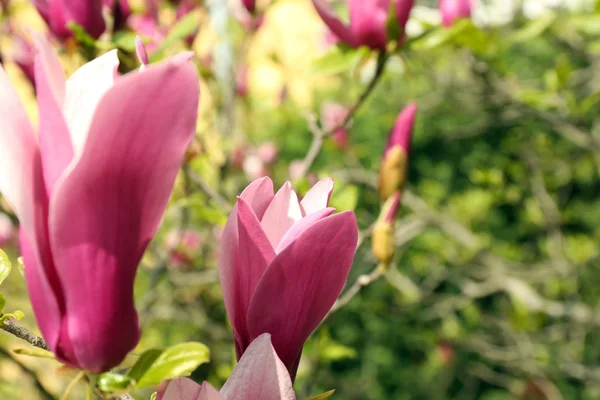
322,395
5,266
176,361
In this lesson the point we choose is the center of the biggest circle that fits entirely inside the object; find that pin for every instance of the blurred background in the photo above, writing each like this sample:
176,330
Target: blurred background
494,290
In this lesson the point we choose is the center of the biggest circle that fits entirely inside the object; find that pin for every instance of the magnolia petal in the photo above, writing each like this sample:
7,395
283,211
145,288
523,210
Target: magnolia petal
301,226
18,172
209,393
336,26
187,389
368,22
302,283
281,214
107,207
260,374
257,195
254,256
317,198
55,141
52,68
84,89
43,300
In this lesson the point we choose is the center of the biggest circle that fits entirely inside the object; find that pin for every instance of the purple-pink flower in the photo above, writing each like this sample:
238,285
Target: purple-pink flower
58,14
368,21
283,263
90,188
260,374
453,10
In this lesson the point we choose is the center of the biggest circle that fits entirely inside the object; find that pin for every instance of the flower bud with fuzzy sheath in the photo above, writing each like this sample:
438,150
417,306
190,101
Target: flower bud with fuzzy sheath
383,243
394,164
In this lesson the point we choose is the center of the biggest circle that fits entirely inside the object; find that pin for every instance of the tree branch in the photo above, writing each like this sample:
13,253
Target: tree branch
24,334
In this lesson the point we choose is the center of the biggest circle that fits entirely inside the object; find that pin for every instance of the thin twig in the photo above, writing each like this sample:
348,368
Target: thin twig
206,189
24,334
319,135
361,282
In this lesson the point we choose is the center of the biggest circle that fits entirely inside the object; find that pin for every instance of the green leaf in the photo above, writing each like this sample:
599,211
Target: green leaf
17,315
34,352
81,35
322,395
2,303
441,35
153,397
533,29
176,361
125,40
144,363
182,29
110,382
5,266
337,61
21,266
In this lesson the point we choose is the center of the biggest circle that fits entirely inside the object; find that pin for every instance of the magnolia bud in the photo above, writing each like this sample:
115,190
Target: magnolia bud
394,164
383,236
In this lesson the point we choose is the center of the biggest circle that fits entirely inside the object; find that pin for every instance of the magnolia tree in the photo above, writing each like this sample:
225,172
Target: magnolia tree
126,166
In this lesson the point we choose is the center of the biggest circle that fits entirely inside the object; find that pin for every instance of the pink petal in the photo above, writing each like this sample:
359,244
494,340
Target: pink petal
107,207
301,226
187,389
368,22
257,195
55,140
260,374
254,255
18,173
85,88
281,214
302,283
403,9
333,23
317,198
209,393
43,299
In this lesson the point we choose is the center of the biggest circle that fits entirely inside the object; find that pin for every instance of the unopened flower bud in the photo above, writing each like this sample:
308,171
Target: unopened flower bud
383,237
394,164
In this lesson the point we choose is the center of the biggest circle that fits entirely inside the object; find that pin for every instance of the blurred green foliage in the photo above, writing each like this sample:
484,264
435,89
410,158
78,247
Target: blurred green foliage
493,291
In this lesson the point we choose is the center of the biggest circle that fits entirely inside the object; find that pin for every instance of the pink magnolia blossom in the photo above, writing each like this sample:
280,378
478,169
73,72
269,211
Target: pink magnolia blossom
332,117
260,374
453,10
250,5
90,188
368,21
394,163
283,263
58,14
7,230
23,55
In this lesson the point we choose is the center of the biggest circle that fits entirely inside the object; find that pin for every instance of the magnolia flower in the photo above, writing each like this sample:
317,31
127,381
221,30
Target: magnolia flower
368,21
58,14
283,263
333,116
260,374
453,10
90,188
394,163
250,5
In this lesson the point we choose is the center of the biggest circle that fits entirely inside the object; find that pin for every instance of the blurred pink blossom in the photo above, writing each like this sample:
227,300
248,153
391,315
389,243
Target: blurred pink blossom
453,10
